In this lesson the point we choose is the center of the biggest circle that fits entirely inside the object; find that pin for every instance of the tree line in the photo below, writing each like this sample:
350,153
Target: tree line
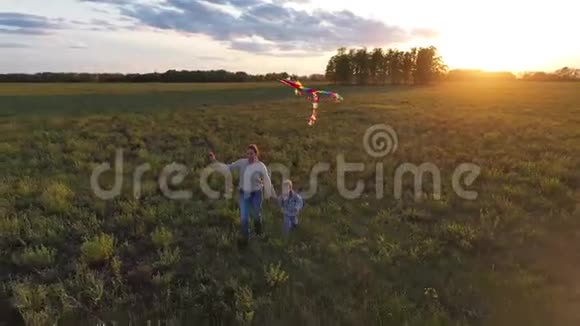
379,67
355,66
473,74
170,76
562,74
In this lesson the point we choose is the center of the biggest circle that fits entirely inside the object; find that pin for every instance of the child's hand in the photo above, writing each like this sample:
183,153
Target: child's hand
211,156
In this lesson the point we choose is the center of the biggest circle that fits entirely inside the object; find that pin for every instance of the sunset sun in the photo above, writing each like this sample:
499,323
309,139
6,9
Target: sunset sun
498,35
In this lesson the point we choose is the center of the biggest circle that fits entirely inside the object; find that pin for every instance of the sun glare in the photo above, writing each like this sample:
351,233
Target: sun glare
504,36
490,49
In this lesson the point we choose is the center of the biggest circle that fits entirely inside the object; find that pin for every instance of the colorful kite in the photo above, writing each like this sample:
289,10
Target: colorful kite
312,93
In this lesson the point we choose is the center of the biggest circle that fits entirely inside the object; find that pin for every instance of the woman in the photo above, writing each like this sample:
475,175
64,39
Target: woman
254,183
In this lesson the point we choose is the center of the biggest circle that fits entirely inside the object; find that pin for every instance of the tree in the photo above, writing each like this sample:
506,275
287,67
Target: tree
316,77
330,73
472,75
429,66
384,68
567,73
395,71
343,67
361,66
376,67
408,65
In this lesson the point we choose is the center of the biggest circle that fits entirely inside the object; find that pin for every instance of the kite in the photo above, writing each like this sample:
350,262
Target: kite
312,93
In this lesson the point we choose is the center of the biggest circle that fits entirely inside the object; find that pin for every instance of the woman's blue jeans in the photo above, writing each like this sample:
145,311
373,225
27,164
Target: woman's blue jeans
251,204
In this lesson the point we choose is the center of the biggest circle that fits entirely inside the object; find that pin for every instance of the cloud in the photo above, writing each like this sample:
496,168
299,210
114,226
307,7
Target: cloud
12,45
78,46
22,31
18,23
26,24
113,2
212,58
282,28
290,1
20,20
235,3
250,46
34,25
425,32
99,25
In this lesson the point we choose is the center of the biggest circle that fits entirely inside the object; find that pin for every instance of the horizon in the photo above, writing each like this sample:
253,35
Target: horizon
517,74
298,37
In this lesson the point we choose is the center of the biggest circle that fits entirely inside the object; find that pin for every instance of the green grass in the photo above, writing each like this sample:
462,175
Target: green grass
67,255
27,89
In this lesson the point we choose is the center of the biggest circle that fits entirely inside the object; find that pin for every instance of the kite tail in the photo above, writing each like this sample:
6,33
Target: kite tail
315,100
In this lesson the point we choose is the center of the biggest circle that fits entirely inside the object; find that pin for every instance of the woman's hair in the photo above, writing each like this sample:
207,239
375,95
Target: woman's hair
288,182
254,147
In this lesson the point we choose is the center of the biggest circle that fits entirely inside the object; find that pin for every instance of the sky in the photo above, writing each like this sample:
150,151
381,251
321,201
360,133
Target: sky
296,36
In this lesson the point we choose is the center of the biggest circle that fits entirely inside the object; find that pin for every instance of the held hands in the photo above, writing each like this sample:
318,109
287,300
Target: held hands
272,196
211,156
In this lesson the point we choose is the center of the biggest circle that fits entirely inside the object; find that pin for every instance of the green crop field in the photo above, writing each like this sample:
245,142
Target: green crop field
506,257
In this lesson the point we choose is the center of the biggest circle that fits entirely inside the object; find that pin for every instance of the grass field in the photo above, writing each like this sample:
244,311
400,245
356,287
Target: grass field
80,99
506,258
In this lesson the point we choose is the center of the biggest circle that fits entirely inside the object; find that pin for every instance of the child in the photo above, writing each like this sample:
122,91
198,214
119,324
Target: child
291,203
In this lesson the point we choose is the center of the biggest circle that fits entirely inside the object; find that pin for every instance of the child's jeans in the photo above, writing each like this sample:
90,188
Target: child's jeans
290,222
251,204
